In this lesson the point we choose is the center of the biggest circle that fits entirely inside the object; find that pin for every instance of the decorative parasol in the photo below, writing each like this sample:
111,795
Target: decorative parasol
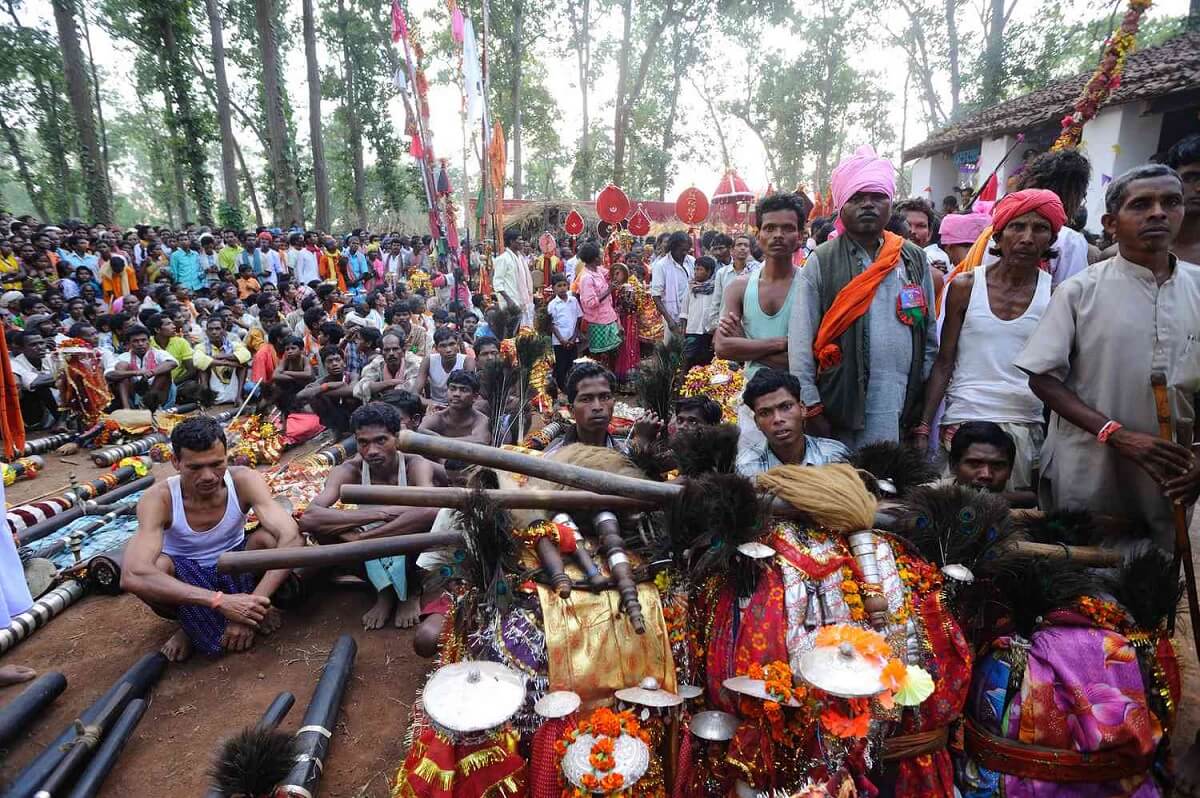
714,726
473,696
648,693
612,205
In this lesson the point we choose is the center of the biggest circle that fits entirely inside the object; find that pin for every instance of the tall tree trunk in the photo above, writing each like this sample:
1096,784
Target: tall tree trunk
181,197
993,55
286,192
87,38
229,177
516,46
258,214
619,130
353,122
18,155
191,143
320,175
668,134
952,55
583,56
95,184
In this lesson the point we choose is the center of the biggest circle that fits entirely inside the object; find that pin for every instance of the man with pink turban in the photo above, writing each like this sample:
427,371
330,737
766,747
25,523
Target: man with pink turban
991,312
861,339
958,233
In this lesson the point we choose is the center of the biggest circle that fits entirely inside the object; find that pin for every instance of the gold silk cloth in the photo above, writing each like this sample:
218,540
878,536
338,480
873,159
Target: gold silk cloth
592,649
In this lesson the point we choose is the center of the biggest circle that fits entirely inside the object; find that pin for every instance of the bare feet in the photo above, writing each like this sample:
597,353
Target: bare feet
15,674
237,637
272,621
381,611
177,648
429,633
408,613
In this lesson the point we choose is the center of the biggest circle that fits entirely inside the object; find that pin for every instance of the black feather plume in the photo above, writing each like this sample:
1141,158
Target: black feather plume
654,460
903,466
504,320
1031,587
660,376
953,524
488,543
706,450
1147,586
714,515
498,383
253,762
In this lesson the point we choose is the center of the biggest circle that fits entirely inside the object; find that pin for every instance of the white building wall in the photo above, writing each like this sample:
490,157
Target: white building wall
991,152
933,177
1118,139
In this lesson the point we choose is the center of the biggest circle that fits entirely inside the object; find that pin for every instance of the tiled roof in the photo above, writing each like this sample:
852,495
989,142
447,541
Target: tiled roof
1156,71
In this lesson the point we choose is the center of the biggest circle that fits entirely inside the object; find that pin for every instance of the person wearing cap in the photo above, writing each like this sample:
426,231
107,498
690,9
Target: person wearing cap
990,313
265,260
861,338
1108,332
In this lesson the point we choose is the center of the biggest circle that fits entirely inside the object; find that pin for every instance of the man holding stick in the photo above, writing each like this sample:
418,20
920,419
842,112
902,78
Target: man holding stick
375,426
172,567
1106,332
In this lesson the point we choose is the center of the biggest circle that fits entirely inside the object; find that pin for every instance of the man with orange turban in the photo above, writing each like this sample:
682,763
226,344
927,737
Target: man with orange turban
1107,334
990,313
861,338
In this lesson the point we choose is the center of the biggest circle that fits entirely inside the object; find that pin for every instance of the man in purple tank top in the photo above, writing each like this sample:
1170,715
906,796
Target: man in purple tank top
184,525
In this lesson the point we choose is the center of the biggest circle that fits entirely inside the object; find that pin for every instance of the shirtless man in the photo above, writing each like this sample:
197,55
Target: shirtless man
378,462
172,567
459,419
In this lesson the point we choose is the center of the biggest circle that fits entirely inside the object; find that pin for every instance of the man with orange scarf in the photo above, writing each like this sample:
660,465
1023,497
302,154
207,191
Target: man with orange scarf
862,338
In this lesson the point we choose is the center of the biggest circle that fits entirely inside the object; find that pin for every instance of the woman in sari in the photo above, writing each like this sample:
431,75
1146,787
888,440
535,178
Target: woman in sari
629,353
595,295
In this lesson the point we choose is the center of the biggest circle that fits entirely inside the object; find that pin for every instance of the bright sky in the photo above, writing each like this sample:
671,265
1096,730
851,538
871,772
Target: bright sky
115,60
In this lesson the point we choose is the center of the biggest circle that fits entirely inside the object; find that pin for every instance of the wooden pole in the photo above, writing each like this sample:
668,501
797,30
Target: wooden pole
1088,555
236,562
562,473
559,500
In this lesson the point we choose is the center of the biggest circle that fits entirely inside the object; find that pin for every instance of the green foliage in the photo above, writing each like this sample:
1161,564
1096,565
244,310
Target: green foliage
230,216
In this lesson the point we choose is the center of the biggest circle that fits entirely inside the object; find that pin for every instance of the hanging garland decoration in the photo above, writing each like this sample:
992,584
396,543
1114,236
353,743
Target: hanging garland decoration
1105,79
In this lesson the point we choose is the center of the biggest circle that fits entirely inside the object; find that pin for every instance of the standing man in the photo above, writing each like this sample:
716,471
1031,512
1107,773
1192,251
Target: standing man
511,279
303,261
670,280
1105,334
185,265
922,222
1184,158
227,258
1066,173
991,313
738,265
173,569
378,462
861,338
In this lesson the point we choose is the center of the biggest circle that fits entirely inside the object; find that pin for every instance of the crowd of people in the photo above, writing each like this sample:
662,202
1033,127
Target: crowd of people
996,338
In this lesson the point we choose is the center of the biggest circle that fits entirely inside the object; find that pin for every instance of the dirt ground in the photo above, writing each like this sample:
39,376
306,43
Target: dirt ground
199,703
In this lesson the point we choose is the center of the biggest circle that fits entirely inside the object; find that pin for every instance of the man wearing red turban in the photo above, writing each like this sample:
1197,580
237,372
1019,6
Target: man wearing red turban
990,313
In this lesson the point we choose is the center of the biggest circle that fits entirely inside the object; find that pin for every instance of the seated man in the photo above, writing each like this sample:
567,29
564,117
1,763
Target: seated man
773,397
459,419
332,397
172,568
378,462
396,370
164,336
589,391
221,361
141,376
982,456
411,409
696,412
35,377
292,373
437,365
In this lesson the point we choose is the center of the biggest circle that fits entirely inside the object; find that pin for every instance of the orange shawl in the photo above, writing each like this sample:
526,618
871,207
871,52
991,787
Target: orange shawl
12,425
852,302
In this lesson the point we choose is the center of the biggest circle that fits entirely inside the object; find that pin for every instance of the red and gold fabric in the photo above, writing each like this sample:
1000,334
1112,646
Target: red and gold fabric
438,767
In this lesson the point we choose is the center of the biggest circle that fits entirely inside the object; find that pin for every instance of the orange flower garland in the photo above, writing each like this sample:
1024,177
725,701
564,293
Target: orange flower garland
604,726
1104,614
852,595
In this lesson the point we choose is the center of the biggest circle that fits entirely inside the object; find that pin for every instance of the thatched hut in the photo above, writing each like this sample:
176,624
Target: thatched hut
534,218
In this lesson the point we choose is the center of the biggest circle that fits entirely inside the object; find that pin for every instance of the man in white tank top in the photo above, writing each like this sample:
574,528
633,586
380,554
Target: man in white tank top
990,315
378,462
184,525
437,366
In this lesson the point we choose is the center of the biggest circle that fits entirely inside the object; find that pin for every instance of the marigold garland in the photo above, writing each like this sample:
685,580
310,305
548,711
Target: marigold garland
719,382
1106,79
1104,614
852,595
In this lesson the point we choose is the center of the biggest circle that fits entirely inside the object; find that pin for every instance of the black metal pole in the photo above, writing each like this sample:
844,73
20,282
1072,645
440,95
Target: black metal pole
92,777
17,713
141,677
316,730
59,780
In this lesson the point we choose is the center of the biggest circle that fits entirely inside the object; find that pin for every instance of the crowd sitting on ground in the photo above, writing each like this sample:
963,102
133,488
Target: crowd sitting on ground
999,339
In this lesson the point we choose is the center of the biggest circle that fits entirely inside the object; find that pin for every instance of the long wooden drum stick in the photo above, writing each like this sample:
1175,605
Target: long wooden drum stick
558,500
1183,543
